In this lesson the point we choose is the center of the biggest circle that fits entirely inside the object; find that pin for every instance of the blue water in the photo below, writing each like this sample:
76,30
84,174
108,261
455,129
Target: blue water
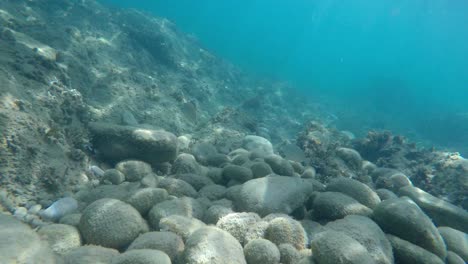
387,64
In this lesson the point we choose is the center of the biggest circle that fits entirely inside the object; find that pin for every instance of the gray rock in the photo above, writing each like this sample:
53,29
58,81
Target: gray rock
142,256
272,194
441,212
334,205
285,230
237,173
176,187
61,238
355,189
90,254
197,181
213,192
403,218
350,156
144,199
256,231
331,247
203,151
168,242
181,225
453,258
211,245
128,119
289,254
367,233
258,144
216,212
20,244
71,219
113,176
111,223
186,163
261,251
134,170
455,240
385,194
408,253
184,206
279,165
309,173
260,169
116,143
237,224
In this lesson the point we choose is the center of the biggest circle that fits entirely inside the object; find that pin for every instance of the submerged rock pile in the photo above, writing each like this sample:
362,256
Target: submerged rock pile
232,213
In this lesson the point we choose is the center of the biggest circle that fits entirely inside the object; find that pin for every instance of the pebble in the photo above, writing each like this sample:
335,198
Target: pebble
20,212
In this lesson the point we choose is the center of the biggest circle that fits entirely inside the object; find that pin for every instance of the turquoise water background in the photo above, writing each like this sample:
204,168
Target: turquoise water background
385,64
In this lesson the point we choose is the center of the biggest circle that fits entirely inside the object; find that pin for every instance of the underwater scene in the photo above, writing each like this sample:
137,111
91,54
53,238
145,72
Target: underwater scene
217,131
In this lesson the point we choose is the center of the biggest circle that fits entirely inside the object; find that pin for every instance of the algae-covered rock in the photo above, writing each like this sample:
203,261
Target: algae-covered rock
184,206
211,245
331,247
142,256
116,143
441,212
359,191
90,254
237,224
272,194
260,145
334,205
144,199
181,225
368,234
134,170
168,242
237,173
456,241
178,188
279,165
408,253
186,163
403,218
285,230
110,223
261,251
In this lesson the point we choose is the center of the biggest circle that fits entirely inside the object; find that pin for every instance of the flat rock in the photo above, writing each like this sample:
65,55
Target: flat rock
116,143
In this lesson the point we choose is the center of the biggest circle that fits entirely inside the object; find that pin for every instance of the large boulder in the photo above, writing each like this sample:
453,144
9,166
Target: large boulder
168,242
368,234
142,256
116,143
90,254
272,194
408,253
359,191
331,247
455,240
111,223
261,146
441,212
184,206
211,245
335,205
403,218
